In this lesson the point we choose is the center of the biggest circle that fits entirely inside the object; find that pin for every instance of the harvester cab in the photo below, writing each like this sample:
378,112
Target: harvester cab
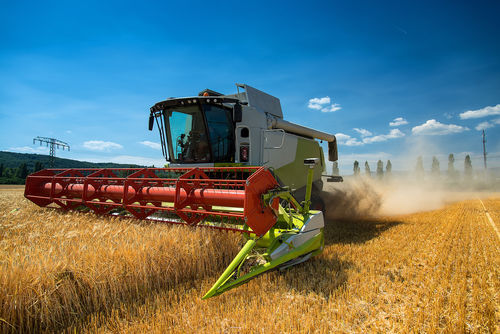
242,129
235,165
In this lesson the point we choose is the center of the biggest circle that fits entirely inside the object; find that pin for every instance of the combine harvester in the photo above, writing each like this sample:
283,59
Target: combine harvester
235,165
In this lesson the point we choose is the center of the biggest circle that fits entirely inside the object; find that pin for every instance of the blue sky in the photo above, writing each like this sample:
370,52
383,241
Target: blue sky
87,73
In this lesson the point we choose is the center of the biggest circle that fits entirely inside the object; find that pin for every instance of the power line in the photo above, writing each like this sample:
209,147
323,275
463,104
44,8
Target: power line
54,143
484,149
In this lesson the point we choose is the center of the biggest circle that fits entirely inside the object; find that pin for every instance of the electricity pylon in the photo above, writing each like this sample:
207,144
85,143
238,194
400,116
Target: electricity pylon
53,144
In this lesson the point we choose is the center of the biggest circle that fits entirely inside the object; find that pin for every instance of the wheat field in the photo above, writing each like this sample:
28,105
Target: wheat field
433,271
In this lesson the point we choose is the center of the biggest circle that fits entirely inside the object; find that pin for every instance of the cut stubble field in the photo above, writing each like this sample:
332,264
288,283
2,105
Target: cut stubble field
433,271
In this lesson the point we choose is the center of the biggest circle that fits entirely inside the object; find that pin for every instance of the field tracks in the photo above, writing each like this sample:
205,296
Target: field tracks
490,220
430,271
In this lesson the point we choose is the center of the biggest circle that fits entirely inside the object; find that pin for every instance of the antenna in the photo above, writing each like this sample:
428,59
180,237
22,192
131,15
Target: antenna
484,149
53,143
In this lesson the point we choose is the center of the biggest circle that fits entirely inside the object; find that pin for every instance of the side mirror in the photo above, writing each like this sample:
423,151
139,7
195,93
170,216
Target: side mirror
333,154
237,113
151,122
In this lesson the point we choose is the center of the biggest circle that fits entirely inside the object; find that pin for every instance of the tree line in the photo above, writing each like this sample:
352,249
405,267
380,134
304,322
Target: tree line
357,170
452,173
17,175
380,169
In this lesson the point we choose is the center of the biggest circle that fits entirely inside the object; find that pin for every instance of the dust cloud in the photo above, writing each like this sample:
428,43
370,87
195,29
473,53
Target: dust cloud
351,199
359,197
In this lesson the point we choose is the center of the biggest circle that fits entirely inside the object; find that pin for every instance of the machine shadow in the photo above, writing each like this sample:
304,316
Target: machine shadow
347,231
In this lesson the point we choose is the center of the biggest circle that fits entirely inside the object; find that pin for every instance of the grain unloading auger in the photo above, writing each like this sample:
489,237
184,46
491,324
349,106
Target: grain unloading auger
280,232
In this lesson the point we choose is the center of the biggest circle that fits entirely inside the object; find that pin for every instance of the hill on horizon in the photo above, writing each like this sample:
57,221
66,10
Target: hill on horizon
13,160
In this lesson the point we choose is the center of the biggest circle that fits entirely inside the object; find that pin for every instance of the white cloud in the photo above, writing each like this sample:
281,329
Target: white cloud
99,145
347,140
487,125
398,121
69,132
318,102
324,104
483,112
394,133
153,145
342,137
363,132
433,127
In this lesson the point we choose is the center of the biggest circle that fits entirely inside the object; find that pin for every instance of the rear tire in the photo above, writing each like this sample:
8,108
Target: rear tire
317,203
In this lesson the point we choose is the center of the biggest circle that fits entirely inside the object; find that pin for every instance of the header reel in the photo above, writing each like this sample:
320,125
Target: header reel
280,232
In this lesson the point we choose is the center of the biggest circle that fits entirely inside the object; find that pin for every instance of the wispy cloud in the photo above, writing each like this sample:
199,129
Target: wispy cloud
433,128
370,157
153,145
401,29
483,112
99,145
394,133
126,159
324,104
363,132
448,115
398,121
332,108
29,149
486,125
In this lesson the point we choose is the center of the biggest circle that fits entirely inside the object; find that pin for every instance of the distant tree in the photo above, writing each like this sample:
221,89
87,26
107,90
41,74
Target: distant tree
388,168
435,170
419,168
451,167
380,169
468,168
122,173
22,171
335,168
356,167
38,166
367,169
2,168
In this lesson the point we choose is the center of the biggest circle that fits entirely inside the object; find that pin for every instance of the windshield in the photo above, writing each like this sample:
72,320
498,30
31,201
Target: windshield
221,132
189,141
